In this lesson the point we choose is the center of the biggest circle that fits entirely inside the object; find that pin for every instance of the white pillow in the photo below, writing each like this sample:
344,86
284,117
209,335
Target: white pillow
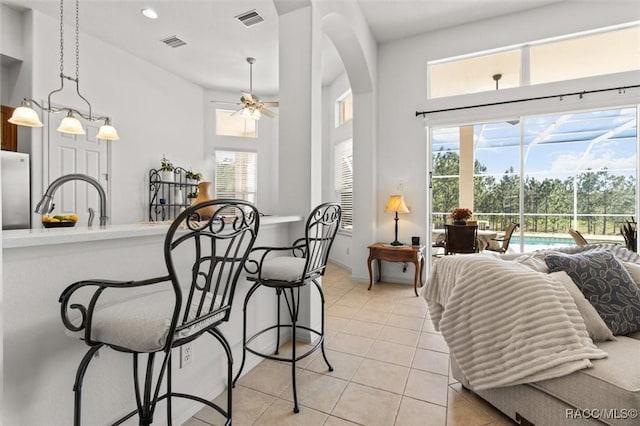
597,329
634,270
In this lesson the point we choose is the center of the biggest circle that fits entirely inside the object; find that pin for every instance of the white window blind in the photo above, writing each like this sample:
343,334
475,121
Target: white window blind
344,182
236,175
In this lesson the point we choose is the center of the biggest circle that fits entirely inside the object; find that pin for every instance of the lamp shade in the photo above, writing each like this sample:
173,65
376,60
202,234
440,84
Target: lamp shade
25,116
396,204
71,125
108,133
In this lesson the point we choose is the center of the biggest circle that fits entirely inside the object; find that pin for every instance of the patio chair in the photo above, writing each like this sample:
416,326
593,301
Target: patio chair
504,240
460,239
577,237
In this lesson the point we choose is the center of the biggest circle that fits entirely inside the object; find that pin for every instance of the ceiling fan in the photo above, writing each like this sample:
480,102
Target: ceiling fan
252,106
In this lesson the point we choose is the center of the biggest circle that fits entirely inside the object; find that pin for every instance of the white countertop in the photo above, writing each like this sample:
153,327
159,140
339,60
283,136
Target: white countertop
39,237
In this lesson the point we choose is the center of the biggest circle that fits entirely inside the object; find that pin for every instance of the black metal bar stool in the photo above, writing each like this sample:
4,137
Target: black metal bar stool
185,304
303,263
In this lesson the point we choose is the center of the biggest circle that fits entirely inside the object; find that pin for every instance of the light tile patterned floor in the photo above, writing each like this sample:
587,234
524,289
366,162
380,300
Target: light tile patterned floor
390,368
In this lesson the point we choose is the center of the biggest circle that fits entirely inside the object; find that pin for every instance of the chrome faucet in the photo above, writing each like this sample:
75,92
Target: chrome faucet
45,204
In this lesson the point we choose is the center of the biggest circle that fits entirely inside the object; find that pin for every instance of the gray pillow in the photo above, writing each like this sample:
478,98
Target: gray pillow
606,284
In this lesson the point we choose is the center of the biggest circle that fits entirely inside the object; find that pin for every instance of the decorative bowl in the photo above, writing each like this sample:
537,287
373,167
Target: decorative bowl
65,224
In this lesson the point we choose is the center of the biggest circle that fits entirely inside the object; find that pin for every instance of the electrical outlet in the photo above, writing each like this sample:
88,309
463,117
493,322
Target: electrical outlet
186,355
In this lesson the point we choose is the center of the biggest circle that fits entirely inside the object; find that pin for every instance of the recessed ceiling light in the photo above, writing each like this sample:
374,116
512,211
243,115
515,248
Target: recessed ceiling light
149,13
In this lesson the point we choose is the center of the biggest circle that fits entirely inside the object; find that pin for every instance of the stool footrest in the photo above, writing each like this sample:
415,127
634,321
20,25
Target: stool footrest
315,346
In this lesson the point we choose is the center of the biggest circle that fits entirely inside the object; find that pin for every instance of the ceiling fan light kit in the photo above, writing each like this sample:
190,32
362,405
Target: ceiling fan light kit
252,107
25,115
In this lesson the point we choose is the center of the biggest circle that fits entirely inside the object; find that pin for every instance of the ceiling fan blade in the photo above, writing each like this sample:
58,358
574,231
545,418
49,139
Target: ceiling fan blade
236,111
271,104
226,102
267,113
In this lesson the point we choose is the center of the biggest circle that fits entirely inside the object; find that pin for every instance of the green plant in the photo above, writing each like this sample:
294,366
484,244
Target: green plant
197,176
193,194
166,165
630,233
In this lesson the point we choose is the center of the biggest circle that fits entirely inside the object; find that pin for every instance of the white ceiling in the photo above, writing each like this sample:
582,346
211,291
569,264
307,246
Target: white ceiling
218,44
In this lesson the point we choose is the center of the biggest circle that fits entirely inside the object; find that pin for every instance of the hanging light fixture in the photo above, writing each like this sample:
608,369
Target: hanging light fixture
25,115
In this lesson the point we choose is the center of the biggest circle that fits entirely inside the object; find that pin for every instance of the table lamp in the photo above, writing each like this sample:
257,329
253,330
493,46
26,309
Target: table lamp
396,204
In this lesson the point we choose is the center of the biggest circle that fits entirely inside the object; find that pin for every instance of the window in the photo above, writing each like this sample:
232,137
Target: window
549,173
595,54
236,175
570,57
230,124
344,182
473,75
344,108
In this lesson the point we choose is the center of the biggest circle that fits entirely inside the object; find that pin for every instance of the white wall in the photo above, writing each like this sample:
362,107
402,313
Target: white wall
265,144
11,33
402,90
154,111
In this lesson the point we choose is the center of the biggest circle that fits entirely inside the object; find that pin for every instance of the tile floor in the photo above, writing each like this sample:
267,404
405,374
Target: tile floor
390,368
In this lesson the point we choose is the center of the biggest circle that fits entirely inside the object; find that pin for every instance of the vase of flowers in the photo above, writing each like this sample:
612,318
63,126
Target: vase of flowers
461,215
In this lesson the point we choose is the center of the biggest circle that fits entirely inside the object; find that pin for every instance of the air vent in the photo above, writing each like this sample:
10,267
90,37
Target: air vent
250,18
173,41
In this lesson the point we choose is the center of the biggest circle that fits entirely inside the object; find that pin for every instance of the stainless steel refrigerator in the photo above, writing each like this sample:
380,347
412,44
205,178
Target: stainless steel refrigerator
16,190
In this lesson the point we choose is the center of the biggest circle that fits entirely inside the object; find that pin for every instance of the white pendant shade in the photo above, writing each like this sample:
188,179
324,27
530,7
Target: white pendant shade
25,116
108,133
71,125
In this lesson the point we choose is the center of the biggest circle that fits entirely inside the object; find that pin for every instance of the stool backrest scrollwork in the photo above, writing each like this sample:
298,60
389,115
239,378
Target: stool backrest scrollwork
320,231
217,249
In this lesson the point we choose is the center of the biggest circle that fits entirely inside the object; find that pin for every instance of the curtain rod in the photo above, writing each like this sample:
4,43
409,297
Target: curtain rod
581,94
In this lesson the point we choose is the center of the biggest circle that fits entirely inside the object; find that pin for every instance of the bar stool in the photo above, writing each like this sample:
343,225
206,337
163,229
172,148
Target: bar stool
185,304
302,263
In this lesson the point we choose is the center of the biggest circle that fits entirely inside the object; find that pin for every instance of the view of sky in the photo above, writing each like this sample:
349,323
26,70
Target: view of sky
554,145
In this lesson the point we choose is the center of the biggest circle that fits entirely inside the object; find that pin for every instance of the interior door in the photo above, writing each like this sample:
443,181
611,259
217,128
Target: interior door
78,154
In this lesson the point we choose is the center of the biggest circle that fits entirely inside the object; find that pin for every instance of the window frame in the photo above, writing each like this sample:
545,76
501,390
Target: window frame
340,106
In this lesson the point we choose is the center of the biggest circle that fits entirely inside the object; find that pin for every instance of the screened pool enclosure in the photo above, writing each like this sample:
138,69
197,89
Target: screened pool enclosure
547,172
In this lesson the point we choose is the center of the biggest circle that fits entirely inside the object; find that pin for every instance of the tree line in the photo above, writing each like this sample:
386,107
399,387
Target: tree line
604,200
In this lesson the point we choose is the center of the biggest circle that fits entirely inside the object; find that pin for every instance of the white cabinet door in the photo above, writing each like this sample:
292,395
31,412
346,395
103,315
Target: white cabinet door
78,154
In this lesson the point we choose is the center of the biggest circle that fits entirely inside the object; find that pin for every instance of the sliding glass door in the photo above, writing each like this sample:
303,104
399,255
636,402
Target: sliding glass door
548,173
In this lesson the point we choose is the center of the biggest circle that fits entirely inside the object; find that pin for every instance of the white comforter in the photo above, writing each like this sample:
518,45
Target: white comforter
506,324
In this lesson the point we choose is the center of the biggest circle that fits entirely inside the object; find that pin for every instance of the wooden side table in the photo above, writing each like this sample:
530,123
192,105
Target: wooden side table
408,254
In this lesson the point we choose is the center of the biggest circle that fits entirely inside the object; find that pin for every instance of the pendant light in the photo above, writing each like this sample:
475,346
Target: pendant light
25,115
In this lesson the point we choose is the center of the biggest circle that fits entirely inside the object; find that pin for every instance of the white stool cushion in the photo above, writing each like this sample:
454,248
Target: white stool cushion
142,323
287,268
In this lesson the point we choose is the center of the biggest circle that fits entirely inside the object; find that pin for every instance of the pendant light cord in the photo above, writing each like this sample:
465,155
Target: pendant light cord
77,39
61,37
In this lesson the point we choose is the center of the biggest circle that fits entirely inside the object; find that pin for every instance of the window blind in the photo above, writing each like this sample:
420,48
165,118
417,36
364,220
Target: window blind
236,175
344,181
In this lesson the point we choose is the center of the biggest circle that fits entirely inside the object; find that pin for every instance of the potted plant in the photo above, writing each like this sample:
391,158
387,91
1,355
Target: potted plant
166,170
193,177
460,215
630,233
191,196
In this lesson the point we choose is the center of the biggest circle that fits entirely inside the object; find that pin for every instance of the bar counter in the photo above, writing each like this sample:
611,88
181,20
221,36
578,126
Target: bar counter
40,360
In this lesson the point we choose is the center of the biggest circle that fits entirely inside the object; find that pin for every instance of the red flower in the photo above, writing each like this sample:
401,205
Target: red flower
461,214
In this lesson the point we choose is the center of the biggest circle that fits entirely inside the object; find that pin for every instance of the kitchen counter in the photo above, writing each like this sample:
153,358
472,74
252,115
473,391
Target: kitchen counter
40,237
40,359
